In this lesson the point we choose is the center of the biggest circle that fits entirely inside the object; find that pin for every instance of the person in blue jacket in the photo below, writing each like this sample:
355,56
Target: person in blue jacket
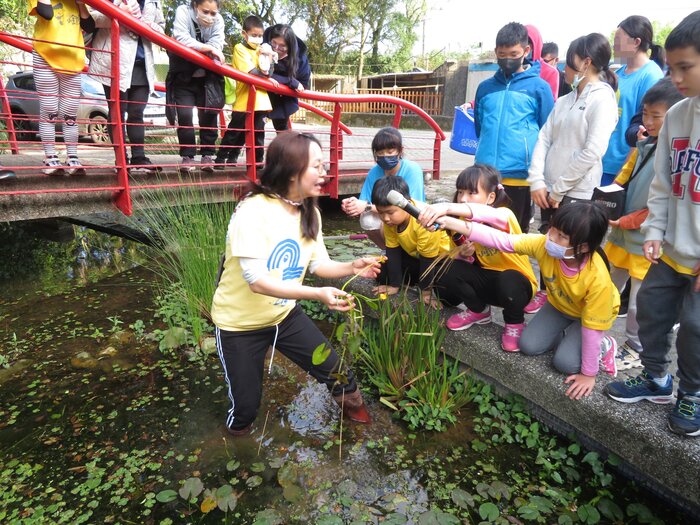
511,107
292,69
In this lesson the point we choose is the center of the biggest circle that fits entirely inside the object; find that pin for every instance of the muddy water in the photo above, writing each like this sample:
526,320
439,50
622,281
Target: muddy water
98,426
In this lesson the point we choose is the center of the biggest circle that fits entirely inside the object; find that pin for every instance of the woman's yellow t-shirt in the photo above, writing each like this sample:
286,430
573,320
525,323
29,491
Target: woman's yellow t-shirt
589,295
55,37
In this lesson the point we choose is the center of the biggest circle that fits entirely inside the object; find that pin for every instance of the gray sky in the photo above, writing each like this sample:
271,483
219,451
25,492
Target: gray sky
456,24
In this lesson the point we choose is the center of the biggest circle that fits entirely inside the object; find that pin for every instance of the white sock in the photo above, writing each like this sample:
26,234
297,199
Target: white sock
661,381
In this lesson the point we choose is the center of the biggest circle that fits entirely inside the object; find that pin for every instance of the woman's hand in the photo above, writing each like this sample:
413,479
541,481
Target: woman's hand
300,88
352,206
213,52
336,299
540,198
367,266
386,289
581,386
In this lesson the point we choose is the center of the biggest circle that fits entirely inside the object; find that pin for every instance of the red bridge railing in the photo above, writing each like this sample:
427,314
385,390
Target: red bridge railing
122,186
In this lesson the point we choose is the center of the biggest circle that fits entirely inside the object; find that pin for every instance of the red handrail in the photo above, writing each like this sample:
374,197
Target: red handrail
122,191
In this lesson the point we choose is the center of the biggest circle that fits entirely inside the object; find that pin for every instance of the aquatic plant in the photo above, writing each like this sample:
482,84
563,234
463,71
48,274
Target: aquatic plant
188,242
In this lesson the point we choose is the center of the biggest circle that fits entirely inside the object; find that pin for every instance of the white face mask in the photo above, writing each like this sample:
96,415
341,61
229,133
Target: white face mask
556,250
254,41
205,20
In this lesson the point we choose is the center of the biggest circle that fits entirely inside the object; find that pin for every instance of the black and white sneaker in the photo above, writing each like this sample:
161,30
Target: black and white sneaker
74,167
143,165
53,166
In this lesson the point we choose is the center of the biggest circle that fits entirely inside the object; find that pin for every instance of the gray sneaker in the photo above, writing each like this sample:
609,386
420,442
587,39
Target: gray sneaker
207,163
187,164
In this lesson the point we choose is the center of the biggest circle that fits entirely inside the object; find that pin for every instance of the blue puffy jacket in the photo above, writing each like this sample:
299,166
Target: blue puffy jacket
508,118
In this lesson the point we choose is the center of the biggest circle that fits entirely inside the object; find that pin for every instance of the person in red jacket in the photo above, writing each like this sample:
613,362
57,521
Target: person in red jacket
548,73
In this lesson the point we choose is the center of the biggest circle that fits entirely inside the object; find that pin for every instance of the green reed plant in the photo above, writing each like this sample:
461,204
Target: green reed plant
188,240
402,357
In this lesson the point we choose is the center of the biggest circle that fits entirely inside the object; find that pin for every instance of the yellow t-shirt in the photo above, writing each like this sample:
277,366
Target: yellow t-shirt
262,228
493,259
63,28
636,265
678,267
245,59
416,240
590,295
627,168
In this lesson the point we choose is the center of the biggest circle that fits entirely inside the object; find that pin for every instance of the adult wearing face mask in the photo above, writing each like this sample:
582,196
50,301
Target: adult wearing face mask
199,26
387,149
136,71
292,69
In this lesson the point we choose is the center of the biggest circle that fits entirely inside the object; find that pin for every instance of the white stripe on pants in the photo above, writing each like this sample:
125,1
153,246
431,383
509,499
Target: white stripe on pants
59,98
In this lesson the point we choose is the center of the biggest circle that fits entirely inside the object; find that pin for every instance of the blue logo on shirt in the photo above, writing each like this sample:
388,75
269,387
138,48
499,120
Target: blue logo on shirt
285,256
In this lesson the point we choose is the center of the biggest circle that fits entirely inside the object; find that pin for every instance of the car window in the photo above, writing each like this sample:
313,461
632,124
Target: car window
25,82
91,86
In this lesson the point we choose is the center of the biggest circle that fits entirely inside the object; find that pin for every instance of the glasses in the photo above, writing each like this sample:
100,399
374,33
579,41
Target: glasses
321,168
281,49
554,59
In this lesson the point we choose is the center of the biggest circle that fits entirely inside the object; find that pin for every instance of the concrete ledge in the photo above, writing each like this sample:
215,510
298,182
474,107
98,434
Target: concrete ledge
667,464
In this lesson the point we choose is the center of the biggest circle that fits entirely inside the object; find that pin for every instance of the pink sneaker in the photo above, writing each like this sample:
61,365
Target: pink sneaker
608,349
464,320
511,337
537,302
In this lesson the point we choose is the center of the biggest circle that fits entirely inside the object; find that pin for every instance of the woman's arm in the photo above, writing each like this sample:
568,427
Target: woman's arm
365,267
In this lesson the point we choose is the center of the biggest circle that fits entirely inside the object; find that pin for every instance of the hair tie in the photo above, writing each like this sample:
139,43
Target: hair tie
500,186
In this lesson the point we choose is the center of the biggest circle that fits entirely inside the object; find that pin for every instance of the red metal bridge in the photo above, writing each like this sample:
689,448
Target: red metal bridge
108,185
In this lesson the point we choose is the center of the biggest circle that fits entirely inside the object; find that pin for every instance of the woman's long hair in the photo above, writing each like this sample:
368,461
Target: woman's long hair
290,40
287,159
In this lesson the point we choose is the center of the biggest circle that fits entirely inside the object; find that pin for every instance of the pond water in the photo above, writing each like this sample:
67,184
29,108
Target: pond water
99,426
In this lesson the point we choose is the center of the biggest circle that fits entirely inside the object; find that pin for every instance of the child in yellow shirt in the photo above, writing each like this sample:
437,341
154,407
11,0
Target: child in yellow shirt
410,248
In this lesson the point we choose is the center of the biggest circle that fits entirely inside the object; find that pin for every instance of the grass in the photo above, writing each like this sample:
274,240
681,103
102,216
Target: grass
189,241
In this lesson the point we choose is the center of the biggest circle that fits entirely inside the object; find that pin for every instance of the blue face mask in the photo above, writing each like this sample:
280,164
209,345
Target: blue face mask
556,250
388,163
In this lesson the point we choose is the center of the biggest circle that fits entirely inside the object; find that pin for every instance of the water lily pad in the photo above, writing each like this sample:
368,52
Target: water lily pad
258,467
268,517
329,520
293,493
436,517
225,498
233,465
462,498
192,488
276,463
166,496
253,481
395,519
488,511
320,354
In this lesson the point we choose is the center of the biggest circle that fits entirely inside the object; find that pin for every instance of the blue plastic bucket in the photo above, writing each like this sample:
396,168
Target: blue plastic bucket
464,137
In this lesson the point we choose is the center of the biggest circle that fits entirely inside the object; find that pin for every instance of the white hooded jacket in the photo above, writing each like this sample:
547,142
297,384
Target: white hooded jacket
567,159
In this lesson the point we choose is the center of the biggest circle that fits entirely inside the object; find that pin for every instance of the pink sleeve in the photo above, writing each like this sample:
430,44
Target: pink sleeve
487,236
489,215
590,350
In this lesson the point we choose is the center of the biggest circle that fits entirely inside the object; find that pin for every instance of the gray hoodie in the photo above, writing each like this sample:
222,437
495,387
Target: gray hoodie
674,195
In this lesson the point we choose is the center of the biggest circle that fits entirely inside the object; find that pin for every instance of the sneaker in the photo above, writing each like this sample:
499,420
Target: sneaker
639,388
221,163
627,357
685,417
464,320
143,165
53,166
74,167
511,337
187,164
537,302
622,312
608,349
207,163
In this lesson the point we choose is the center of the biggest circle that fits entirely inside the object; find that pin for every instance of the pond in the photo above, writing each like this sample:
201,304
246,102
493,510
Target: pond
97,425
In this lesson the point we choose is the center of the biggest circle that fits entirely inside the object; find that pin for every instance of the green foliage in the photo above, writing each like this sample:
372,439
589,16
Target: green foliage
189,242
402,357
